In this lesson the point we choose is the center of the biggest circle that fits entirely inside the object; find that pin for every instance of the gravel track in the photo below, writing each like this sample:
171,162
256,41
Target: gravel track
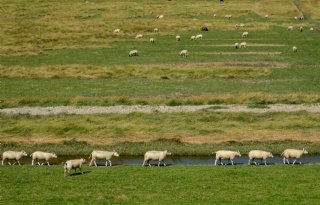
123,109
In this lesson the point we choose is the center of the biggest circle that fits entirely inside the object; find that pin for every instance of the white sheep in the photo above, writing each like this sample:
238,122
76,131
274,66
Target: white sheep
155,155
184,53
192,38
228,16
73,164
258,154
160,16
155,30
301,28
311,29
139,36
295,18
242,25
236,45
42,156
152,40
290,28
301,18
13,155
245,34
107,155
133,53
214,15
243,45
293,153
225,154
294,49
178,38
266,16
199,37
116,30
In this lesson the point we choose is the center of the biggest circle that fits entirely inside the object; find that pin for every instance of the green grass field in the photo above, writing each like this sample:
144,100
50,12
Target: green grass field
177,184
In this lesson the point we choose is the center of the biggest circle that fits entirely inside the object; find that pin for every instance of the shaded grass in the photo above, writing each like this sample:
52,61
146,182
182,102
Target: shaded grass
199,127
144,185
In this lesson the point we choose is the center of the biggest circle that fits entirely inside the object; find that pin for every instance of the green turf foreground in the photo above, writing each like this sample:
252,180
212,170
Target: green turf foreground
176,184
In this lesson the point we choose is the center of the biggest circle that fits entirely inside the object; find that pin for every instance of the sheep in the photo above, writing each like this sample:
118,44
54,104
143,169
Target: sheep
245,34
236,45
311,29
292,153
266,16
13,155
192,38
155,155
102,155
204,28
42,156
73,164
290,28
139,36
224,154
301,18
294,49
116,30
301,28
258,154
295,18
236,26
199,37
155,30
133,53
243,45
242,25
152,40
214,15
160,17
184,53
178,38
228,16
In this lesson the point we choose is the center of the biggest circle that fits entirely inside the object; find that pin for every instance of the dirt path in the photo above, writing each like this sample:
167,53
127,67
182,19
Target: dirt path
154,109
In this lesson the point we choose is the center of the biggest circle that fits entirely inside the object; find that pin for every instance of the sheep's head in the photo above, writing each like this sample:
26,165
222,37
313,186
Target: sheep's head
270,155
167,153
24,153
53,155
116,154
83,160
305,151
238,153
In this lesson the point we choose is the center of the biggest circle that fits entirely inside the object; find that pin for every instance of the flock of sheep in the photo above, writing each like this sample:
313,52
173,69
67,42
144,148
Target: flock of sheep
148,156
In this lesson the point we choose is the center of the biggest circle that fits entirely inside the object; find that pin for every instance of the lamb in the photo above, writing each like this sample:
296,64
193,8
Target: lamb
116,30
258,154
236,45
293,153
178,38
184,53
224,154
243,45
7,155
139,36
245,34
152,40
294,49
192,38
155,155
290,28
73,164
133,53
42,156
199,37
155,30
102,155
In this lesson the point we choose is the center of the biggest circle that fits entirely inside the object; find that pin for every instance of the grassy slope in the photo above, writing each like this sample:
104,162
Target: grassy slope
198,184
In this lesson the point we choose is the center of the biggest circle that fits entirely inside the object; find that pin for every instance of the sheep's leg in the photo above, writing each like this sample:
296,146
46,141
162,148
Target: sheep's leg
231,161
288,161
110,163
164,163
294,161
284,160
106,163
143,163
149,163
215,162
81,170
265,162
254,161
159,164
18,162
2,161
90,162
249,162
95,163
48,163
32,163
10,163
221,162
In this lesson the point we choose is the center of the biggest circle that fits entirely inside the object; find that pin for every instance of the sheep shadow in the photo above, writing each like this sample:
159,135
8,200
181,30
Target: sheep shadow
155,165
103,165
78,173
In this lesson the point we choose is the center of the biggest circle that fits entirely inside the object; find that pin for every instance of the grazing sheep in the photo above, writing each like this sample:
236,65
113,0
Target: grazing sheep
214,15
311,29
184,53
258,154
245,34
293,153
152,40
116,30
224,154
160,17
192,38
236,45
102,155
42,156
7,155
133,53
73,164
228,16
243,45
178,38
139,36
294,49
290,28
199,37
301,18
295,18
236,26
301,28
155,155
242,25
266,16
155,30
204,28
